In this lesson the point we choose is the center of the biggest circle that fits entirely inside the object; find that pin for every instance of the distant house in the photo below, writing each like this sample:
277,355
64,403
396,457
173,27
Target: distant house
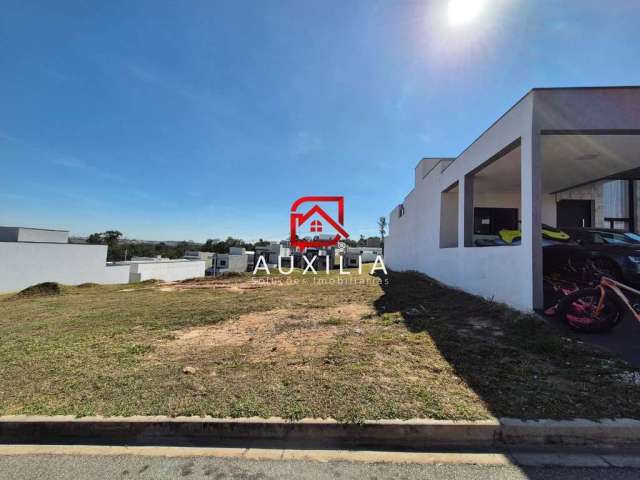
207,257
318,258
373,242
271,252
34,255
368,255
237,260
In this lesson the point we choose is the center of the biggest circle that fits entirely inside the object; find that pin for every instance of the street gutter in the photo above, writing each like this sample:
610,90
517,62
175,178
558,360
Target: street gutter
416,434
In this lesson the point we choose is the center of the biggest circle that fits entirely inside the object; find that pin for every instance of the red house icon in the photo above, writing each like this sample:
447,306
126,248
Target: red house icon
298,219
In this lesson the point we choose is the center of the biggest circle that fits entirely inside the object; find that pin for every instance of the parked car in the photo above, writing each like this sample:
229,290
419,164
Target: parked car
615,252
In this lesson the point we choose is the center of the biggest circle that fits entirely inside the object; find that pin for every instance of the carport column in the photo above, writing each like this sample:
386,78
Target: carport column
531,181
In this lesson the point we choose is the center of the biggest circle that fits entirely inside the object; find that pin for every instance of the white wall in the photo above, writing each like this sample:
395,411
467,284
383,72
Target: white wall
498,200
41,235
166,271
26,264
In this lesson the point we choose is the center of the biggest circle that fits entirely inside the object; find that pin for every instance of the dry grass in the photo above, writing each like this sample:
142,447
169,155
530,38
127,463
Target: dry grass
296,347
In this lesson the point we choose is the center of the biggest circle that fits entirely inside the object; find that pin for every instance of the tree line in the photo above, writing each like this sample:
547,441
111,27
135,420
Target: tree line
120,249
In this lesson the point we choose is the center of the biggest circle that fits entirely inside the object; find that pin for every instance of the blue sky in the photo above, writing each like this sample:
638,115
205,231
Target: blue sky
203,119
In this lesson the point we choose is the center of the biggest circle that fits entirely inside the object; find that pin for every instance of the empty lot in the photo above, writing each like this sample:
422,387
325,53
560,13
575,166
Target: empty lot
362,348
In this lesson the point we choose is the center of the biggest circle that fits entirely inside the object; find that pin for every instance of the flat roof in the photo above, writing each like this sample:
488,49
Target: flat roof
35,228
534,89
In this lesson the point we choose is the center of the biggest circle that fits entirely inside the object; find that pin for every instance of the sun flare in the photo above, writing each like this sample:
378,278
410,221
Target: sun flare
462,12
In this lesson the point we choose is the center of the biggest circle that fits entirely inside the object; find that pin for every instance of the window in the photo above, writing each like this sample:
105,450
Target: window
492,200
401,210
316,226
489,221
223,263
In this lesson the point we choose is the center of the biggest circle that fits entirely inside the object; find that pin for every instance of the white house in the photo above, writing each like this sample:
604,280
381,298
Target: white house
207,257
32,255
553,145
238,260
354,255
271,252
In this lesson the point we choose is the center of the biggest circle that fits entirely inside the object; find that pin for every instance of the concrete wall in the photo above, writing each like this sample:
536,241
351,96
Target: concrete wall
167,271
26,264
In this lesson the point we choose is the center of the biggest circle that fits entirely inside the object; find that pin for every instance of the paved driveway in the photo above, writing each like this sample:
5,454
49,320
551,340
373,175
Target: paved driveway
623,341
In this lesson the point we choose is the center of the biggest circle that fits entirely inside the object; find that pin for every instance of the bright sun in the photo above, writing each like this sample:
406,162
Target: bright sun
464,11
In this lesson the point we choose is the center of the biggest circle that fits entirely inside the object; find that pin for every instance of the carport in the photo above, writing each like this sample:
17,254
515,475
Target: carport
589,149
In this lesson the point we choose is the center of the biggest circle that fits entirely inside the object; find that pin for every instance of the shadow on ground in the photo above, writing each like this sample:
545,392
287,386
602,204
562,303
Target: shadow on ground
622,341
519,365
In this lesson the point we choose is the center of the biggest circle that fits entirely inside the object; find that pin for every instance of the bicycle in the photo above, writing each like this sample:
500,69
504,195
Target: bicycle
596,308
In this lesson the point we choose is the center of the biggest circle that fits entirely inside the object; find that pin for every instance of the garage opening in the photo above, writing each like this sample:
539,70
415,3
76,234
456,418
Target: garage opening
493,200
589,192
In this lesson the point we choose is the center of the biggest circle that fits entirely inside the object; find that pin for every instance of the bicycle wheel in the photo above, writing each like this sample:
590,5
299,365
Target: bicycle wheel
578,309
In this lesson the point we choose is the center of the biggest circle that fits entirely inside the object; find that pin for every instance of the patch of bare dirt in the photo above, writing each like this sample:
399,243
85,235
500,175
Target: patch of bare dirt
280,334
210,283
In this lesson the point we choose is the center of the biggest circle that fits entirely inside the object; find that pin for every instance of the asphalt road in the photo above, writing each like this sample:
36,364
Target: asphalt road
77,467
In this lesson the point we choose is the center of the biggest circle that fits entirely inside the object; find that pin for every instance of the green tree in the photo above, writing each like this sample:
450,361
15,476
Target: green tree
382,228
95,239
111,237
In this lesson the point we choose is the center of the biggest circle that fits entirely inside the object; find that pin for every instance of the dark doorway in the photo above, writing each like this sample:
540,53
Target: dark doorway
489,221
574,213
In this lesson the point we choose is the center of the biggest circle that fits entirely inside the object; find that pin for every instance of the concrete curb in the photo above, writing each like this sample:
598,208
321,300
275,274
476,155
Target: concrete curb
394,434
578,432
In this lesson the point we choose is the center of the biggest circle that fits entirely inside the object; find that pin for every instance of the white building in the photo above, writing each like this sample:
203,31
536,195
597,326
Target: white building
271,252
365,254
551,143
32,255
207,257
164,269
238,260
